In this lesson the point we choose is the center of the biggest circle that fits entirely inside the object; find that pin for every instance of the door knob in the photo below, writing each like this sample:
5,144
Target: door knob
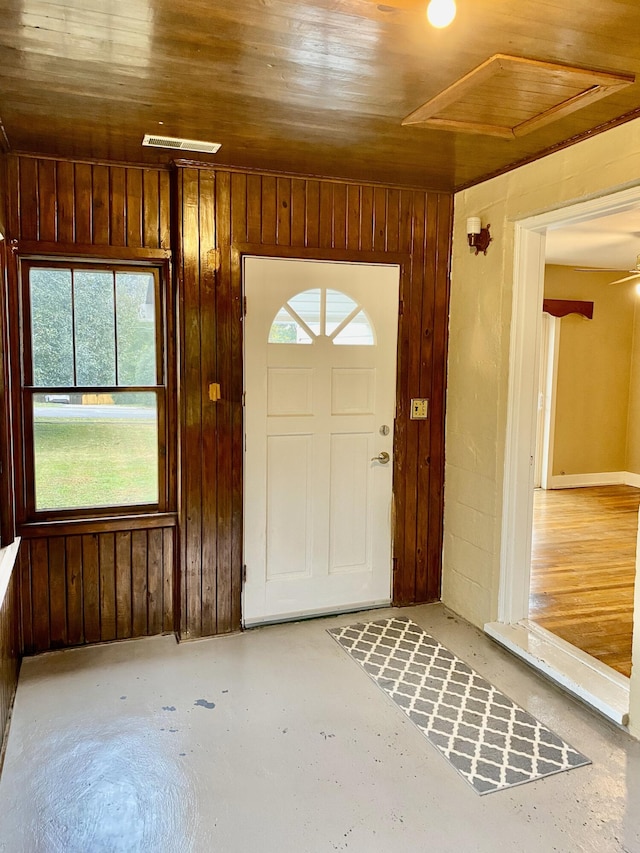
383,458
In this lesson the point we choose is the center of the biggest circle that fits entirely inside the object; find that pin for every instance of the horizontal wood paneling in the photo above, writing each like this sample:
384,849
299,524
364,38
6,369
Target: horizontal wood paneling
94,587
294,217
61,202
9,652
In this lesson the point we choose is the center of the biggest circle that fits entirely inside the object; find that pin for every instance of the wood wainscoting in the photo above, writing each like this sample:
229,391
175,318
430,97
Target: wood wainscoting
9,652
96,583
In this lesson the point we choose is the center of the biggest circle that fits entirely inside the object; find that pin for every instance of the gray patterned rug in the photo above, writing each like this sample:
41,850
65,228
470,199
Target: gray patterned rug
491,741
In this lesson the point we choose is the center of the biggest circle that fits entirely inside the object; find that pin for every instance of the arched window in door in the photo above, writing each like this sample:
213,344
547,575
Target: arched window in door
322,312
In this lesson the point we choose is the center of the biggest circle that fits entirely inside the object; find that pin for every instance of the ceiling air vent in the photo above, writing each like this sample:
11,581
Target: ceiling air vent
178,144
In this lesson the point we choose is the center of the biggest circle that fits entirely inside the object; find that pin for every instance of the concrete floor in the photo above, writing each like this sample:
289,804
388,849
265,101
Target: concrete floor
275,740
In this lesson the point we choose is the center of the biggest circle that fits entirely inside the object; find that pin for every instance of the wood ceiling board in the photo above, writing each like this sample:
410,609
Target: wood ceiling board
544,91
312,86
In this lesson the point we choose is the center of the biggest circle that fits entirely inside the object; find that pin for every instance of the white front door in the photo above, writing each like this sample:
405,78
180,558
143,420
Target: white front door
320,379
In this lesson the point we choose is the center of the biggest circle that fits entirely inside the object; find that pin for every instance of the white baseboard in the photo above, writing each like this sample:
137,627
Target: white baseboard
603,478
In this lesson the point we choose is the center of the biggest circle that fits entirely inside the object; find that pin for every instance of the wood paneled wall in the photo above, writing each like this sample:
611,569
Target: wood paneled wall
9,652
91,587
233,213
100,583
104,579
58,201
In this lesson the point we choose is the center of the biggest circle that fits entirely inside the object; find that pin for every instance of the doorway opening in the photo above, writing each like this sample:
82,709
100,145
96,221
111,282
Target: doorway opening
593,681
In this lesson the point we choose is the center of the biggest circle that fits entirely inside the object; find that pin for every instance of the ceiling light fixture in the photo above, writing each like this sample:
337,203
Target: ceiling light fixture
441,13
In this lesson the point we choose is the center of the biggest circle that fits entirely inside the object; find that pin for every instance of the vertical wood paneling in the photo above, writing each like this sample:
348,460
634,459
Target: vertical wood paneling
164,190
325,227
339,237
47,200
155,568
353,218
40,592
191,384
239,219
282,215
124,592
26,596
210,427
84,203
312,214
298,204
94,586
117,206
170,586
75,622
254,209
122,584
269,215
283,201
57,593
441,250
100,205
150,208
107,558
380,219
9,651
101,586
28,199
65,195
139,583
91,587
229,354
135,227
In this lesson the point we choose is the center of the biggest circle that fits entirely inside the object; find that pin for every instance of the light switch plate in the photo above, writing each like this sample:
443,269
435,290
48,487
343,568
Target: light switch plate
419,409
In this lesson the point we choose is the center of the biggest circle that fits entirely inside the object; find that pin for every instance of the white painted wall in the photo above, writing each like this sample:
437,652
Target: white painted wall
481,296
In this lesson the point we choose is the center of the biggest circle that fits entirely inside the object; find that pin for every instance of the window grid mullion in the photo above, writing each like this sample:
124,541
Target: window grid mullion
73,324
115,326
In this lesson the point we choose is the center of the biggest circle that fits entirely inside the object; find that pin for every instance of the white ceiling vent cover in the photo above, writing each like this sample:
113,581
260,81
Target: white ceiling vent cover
153,141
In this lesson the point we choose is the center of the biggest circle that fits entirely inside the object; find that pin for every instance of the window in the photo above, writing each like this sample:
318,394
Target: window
94,395
321,312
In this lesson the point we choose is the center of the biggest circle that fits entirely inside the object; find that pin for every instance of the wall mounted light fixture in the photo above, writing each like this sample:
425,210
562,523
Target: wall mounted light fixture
479,237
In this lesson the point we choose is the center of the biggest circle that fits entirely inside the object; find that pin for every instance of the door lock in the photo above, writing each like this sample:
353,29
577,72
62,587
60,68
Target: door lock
382,458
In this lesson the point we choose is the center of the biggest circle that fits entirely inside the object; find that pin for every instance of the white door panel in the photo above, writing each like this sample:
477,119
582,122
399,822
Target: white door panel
317,508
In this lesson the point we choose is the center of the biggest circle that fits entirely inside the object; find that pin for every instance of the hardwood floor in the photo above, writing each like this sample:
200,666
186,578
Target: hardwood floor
583,568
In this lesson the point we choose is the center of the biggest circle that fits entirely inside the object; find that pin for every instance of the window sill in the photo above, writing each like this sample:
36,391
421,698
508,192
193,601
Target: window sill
8,557
97,524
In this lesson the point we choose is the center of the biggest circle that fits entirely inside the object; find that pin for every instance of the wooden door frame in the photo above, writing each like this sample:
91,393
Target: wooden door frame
582,675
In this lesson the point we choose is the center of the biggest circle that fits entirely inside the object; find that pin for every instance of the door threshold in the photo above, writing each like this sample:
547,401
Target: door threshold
592,681
316,614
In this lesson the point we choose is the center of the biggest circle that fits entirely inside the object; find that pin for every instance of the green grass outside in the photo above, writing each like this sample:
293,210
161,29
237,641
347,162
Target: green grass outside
84,463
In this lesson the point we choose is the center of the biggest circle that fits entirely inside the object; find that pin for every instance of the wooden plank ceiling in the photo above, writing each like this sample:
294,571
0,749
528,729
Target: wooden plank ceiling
315,87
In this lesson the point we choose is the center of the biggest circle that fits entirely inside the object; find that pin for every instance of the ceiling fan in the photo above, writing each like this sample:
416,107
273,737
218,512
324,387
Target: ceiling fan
635,272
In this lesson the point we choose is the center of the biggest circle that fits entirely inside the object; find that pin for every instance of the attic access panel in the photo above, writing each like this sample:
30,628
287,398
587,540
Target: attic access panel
510,96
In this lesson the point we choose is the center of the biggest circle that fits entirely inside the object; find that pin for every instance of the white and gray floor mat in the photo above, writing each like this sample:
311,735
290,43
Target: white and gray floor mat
491,741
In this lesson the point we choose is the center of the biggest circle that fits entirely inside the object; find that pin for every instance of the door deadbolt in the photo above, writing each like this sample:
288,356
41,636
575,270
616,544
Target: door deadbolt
382,458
